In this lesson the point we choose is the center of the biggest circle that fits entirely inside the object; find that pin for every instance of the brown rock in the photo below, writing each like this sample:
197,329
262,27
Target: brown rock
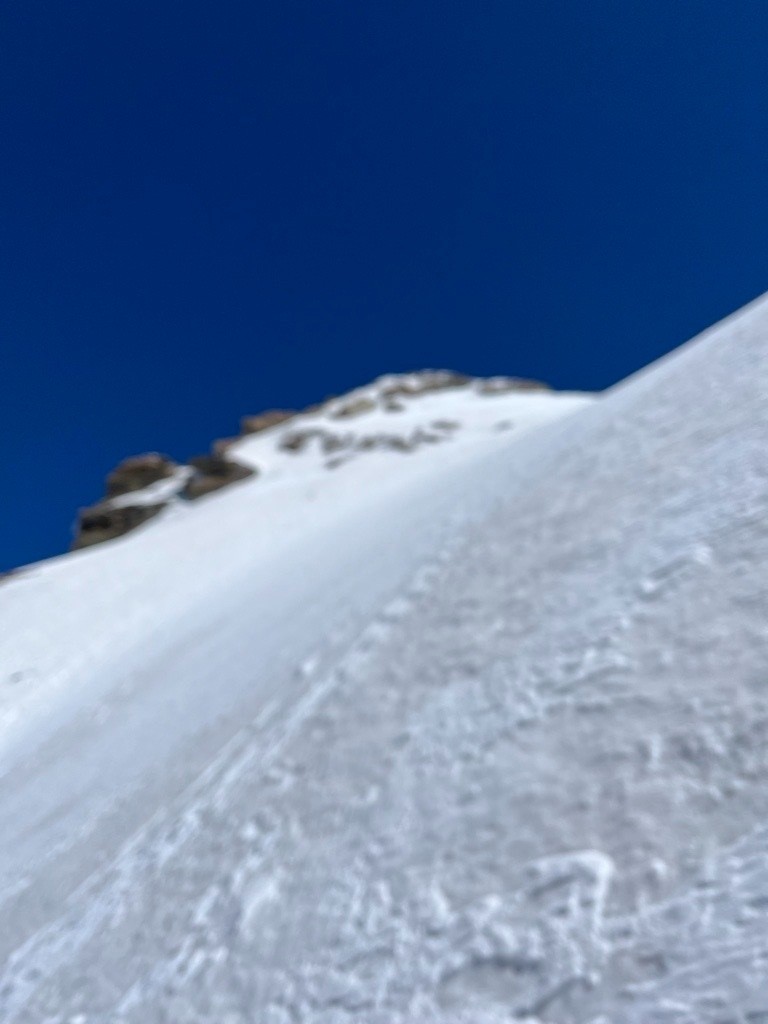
138,472
297,440
400,444
105,522
264,420
424,381
355,407
211,473
335,442
223,444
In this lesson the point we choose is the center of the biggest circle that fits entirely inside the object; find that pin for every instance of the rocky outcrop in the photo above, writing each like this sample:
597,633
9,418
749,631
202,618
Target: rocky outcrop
345,445
116,513
211,473
135,492
106,521
264,420
297,440
355,407
253,425
128,505
138,472
410,385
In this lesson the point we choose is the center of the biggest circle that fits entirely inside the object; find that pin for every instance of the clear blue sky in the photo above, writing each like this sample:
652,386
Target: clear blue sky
209,208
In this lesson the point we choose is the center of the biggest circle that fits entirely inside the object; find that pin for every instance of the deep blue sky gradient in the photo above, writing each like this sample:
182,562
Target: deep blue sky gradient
211,208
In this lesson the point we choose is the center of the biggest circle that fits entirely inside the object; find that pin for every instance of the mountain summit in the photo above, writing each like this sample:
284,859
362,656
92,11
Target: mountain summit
453,707
142,486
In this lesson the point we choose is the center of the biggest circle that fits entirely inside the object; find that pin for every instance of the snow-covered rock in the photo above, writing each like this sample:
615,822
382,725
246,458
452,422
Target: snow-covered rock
142,486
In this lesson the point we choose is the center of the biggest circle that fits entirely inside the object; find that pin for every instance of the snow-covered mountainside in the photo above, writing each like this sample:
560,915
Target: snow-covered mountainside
470,731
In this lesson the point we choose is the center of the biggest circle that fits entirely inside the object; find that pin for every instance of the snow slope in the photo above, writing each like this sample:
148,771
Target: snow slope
474,733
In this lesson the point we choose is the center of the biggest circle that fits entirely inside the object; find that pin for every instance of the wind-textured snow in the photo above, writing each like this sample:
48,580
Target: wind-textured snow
477,733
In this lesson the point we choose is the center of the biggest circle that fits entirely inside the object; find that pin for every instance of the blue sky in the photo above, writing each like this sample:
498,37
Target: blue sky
211,208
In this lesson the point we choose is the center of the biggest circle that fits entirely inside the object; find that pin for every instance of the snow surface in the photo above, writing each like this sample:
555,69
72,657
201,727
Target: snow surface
473,733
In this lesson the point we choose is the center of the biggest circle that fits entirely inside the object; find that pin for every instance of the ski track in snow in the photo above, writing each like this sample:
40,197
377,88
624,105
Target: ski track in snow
523,778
